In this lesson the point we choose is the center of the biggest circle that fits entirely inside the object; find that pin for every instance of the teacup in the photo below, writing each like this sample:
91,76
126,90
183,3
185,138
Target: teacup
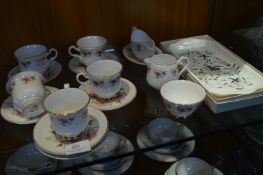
182,97
68,111
89,49
28,93
110,146
104,77
141,44
34,57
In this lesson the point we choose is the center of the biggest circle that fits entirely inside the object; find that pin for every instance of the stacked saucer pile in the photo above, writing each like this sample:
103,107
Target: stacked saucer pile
192,165
113,144
163,130
142,46
69,122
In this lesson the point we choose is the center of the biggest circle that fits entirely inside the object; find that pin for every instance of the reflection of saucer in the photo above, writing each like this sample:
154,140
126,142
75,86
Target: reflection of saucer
47,141
125,163
173,167
166,150
186,149
28,160
127,52
75,65
10,114
125,96
51,73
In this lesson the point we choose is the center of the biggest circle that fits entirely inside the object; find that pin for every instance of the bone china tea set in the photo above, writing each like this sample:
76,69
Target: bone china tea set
73,115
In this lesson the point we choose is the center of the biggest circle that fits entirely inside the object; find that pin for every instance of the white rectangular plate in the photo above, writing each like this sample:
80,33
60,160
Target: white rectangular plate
230,82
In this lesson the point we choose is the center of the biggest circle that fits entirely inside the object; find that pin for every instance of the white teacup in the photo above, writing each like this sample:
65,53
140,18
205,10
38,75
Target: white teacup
182,97
89,49
28,93
68,111
34,57
104,77
141,44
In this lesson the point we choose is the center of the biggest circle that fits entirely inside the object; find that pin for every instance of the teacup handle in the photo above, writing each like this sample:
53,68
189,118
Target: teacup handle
55,54
185,66
81,74
71,48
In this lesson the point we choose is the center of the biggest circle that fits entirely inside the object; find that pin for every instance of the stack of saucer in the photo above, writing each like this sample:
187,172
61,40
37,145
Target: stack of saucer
192,165
52,145
113,144
163,130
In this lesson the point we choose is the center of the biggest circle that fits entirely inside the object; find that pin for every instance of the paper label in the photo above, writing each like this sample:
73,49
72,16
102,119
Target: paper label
78,147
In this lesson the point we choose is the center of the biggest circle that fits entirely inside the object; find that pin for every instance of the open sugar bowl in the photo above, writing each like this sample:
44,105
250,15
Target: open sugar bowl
68,111
182,97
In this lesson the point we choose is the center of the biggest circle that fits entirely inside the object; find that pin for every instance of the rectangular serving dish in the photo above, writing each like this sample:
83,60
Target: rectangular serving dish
232,100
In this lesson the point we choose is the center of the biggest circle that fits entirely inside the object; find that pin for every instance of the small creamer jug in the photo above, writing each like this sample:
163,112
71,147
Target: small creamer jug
163,68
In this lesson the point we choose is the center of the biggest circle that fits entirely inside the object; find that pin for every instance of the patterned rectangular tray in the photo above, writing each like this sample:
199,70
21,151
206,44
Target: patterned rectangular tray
230,82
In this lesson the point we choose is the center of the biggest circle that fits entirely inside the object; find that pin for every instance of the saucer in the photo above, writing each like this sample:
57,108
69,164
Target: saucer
75,65
28,160
174,166
124,165
124,96
52,72
47,141
10,114
186,149
127,52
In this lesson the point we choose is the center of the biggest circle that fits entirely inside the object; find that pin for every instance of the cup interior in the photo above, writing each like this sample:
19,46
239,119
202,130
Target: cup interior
66,101
91,42
30,51
104,68
182,92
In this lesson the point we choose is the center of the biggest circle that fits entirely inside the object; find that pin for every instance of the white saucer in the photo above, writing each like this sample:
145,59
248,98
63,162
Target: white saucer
125,163
126,95
28,157
127,52
47,142
10,114
75,65
187,148
52,72
174,166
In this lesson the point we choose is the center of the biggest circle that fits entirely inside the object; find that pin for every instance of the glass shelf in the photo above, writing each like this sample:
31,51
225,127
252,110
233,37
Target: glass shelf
210,131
